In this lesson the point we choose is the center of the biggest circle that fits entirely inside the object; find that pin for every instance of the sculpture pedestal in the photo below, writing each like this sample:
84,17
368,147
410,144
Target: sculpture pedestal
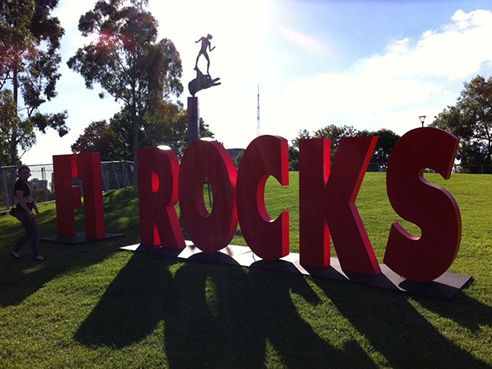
193,120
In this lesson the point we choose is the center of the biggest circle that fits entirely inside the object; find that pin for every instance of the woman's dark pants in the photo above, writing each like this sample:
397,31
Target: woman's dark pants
32,233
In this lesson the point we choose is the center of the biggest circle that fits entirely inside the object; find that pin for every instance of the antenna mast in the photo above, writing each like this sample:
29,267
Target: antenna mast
258,114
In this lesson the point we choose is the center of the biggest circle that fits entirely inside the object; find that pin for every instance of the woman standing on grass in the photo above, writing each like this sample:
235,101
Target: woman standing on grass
24,194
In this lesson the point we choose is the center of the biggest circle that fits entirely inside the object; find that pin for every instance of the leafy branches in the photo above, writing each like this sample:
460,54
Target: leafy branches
387,140
127,60
166,126
471,120
29,60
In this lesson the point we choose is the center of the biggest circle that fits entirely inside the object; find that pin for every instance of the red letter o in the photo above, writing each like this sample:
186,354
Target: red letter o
208,160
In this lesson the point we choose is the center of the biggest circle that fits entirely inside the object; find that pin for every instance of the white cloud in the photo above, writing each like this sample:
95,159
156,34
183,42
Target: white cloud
454,53
399,46
410,77
464,20
390,90
304,41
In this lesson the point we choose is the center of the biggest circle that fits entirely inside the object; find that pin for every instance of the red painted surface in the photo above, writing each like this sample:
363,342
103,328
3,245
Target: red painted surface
314,171
327,204
265,156
67,196
89,171
86,167
158,193
327,200
208,160
428,206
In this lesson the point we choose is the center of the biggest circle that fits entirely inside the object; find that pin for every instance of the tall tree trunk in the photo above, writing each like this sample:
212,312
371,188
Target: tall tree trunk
135,122
13,136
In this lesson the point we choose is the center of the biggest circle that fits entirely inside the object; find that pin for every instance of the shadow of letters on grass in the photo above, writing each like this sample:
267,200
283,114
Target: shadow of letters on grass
400,333
249,310
252,308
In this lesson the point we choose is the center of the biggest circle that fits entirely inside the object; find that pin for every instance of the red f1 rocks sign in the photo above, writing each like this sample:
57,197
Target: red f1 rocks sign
327,200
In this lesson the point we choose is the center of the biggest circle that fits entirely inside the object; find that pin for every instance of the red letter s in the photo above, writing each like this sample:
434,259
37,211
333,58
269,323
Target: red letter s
430,207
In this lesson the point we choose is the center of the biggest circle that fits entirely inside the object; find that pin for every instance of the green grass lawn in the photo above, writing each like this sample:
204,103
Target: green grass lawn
94,306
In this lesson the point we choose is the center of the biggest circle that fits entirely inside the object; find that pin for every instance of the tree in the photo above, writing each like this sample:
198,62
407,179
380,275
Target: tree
126,59
386,142
294,149
332,132
293,158
335,134
471,120
168,126
237,159
29,60
97,137
11,128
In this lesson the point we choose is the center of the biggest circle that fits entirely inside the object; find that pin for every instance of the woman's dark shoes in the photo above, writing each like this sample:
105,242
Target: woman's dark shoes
15,255
38,258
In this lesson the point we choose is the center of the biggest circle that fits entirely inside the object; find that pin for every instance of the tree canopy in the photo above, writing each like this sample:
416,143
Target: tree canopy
29,61
386,141
471,120
127,60
167,126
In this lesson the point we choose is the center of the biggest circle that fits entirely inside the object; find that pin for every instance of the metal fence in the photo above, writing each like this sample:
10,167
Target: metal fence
457,168
115,175
119,174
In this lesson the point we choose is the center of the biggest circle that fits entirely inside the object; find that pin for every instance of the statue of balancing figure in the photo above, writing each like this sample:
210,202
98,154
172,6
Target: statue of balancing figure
203,81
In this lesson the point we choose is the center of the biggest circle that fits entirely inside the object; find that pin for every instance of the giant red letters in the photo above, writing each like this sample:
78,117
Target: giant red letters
89,170
67,195
87,167
265,156
327,200
430,207
208,160
327,204
158,193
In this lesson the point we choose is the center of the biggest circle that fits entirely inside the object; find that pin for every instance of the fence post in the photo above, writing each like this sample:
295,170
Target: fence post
105,177
115,175
123,172
45,189
5,188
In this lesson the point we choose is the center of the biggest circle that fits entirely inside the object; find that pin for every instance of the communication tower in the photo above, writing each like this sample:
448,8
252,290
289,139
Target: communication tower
258,114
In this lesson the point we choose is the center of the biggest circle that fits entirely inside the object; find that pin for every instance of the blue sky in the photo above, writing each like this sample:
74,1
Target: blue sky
371,64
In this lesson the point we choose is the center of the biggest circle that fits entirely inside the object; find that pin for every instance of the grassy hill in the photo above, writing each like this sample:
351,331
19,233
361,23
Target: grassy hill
94,306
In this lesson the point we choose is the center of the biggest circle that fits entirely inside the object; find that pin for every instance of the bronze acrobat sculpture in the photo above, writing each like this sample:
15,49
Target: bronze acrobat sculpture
203,81
203,50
